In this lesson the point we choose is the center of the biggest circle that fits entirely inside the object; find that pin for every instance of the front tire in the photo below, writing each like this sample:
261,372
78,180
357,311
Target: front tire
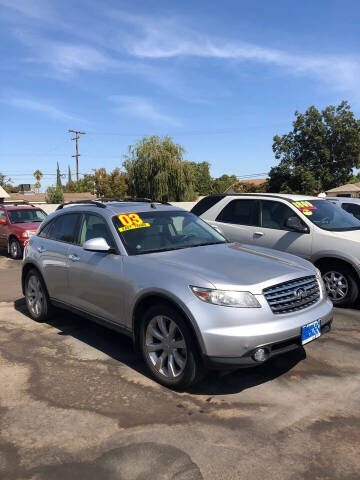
169,348
341,284
15,249
36,297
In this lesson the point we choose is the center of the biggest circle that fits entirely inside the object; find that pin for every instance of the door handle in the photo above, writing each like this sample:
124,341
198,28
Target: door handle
41,249
74,257
258,234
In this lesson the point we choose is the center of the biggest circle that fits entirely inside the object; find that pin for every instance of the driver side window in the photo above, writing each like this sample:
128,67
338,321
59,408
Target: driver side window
275,214
93,226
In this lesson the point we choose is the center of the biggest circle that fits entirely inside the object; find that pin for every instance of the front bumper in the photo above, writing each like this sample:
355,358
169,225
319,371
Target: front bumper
278,348
229,336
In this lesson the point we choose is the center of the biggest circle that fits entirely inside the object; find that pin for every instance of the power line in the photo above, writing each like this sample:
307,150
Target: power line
77,154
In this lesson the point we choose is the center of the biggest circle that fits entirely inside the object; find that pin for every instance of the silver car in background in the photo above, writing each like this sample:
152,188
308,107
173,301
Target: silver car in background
188,298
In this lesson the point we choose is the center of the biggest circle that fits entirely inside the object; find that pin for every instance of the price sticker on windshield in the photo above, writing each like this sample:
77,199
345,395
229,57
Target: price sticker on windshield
305,207
131,221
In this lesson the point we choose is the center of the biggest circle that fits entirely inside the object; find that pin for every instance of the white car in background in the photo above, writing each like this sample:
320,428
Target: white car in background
310,227
351,205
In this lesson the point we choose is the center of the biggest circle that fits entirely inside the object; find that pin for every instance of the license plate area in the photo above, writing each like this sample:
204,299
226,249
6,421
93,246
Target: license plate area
310,331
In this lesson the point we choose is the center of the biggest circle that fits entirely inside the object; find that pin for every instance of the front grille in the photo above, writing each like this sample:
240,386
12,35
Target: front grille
294,295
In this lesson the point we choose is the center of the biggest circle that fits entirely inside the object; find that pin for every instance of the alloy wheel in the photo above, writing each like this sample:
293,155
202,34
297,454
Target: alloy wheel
14,249
165,346
336,284
35,296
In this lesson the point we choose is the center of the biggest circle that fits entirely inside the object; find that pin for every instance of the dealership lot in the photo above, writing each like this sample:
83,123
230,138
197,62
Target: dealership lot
77,402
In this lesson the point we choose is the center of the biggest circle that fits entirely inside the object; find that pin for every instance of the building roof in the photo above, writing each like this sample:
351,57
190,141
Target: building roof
349,187
253,181
40,197
3,194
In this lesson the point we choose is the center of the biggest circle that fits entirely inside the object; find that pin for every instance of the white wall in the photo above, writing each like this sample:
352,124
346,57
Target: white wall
50,207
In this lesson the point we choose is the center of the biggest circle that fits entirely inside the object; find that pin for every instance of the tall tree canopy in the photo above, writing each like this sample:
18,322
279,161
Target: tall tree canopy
156,170
58,177
220,184
201,179
111,184
319,153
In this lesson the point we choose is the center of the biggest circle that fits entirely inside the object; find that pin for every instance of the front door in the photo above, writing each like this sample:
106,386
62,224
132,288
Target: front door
95,278
273,233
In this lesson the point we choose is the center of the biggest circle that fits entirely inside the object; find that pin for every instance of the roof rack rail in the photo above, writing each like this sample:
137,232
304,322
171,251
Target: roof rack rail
82,202
131,199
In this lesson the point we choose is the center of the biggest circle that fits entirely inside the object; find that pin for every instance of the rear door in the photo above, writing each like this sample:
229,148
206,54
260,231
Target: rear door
239,219
52,249
95,279
273,233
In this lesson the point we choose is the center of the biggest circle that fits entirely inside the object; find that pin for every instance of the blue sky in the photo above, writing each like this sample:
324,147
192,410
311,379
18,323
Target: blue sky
220,77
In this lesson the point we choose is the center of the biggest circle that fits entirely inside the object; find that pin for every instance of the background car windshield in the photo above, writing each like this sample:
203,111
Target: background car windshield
26,216
329,216
160,231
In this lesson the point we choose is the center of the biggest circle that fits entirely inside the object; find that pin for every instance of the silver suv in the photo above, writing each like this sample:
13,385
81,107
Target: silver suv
310,227
189,299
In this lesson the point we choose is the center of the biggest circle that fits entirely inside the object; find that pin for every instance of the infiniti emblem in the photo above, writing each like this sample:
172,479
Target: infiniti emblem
300,293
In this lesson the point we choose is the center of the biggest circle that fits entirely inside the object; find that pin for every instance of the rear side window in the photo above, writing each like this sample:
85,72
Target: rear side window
65,228
352,208
240,212
205,204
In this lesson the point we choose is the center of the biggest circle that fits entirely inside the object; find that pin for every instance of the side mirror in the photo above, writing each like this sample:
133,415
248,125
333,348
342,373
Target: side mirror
220,230
97,245
296,225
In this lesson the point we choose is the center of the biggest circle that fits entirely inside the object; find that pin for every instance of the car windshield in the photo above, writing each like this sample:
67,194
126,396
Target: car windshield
327,216
158,231
26,215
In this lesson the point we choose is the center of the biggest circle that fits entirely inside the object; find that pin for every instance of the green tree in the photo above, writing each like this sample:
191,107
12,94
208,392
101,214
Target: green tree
54,195
69,187
113,184
58,177
156,170
7,184
219,185
201,178
38,176
319,153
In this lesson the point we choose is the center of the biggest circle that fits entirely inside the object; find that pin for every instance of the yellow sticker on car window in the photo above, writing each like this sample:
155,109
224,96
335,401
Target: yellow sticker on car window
305,207
130,221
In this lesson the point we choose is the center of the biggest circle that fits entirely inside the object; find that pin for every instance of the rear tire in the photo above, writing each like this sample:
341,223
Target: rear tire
341,283
15,250
169,348
36,297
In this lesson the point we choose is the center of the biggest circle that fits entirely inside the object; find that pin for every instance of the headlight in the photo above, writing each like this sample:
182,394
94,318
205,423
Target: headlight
226,298
28,233
321,283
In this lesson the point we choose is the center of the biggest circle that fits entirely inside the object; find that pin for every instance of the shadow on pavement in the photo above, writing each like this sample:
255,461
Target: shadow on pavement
120,348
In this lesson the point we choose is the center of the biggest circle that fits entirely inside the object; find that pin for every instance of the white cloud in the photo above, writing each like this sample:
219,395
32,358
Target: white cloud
141,107
33,9
38,106
169,38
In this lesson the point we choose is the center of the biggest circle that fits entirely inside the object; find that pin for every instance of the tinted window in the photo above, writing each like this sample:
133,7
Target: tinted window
147,232
241,212
44,232
275,214
26,216
64,228
205,204
93,226
352,208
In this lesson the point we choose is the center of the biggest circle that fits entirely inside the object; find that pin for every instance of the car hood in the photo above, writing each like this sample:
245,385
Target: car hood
236,266
27,226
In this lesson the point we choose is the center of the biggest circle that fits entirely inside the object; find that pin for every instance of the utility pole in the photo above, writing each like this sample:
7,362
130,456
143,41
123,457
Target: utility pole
77,154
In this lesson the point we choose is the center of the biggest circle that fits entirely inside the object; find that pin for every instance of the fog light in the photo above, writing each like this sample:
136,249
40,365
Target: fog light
260,355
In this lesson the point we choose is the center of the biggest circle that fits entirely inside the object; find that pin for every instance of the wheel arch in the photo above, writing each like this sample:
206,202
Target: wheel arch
150,299
322,261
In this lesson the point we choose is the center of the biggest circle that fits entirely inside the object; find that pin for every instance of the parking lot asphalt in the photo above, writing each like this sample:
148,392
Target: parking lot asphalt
76,402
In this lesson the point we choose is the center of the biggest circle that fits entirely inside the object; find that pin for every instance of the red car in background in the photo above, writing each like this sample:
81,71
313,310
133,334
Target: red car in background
17,224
